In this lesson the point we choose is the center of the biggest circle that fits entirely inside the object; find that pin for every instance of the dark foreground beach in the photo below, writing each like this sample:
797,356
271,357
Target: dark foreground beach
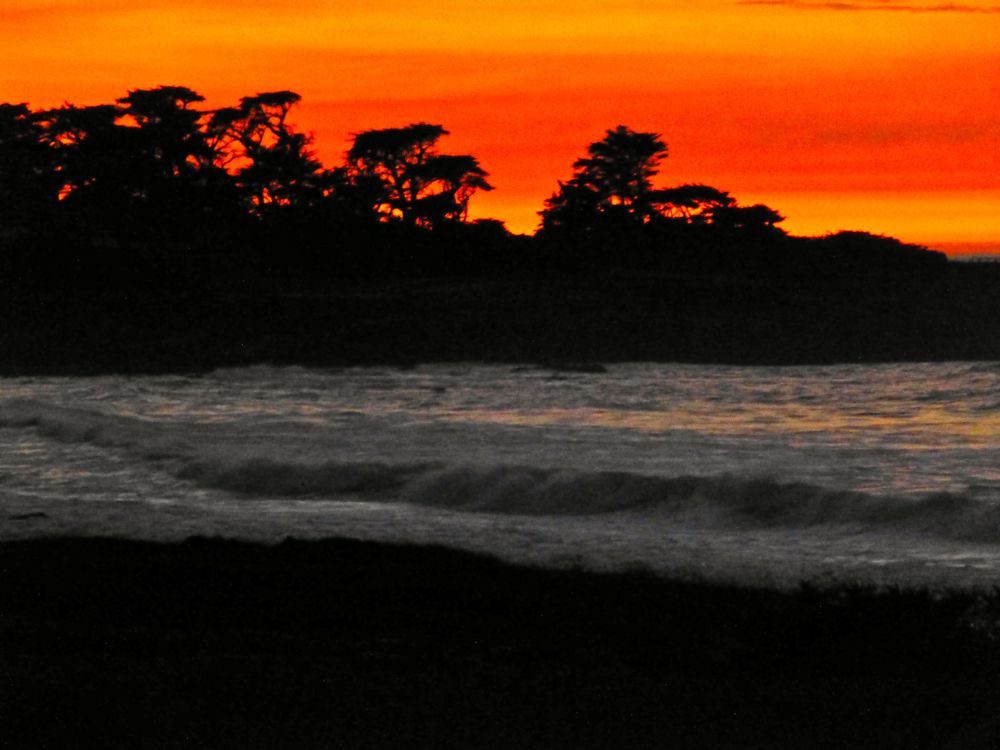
343,644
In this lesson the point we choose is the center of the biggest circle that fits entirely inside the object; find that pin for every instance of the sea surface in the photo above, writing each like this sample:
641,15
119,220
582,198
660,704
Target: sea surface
888,473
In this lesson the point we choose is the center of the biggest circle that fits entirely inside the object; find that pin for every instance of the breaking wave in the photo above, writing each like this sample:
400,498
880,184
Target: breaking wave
147,439
726,500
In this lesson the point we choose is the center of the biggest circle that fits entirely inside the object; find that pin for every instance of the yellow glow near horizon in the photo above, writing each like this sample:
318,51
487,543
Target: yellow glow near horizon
870,118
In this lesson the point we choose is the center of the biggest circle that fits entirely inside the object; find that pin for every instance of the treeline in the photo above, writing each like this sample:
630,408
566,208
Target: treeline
155,180
153,174
155,234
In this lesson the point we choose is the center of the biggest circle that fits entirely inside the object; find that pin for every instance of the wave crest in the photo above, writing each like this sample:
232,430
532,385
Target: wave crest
193,455
728,501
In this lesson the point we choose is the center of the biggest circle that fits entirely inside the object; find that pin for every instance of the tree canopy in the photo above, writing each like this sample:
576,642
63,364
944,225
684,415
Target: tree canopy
413,179
611,192
158,170
615,178
156,165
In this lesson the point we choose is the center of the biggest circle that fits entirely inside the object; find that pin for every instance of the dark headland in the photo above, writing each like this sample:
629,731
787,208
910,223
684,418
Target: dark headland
152,234
240,314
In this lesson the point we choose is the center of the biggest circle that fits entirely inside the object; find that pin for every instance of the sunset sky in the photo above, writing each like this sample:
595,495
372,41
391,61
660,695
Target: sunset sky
881,115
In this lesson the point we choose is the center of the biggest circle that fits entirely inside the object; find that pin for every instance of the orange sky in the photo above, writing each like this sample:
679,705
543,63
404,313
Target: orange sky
881,115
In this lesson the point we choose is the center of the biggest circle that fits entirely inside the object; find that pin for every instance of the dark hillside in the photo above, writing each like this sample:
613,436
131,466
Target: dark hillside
172,320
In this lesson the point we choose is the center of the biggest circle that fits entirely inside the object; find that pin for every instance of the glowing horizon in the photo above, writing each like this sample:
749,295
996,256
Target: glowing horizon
873,115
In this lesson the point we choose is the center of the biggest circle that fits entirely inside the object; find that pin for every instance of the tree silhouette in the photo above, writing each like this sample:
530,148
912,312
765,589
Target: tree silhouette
621,166
614,181
29,184
757,220
418,184
275,165
456,177
693,203
93,161
170,138
174,179
153,174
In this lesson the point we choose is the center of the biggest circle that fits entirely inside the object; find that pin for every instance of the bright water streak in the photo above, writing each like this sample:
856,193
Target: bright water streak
888,471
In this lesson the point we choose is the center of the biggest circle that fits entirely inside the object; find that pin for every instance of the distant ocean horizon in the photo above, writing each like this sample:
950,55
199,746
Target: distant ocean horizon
968,251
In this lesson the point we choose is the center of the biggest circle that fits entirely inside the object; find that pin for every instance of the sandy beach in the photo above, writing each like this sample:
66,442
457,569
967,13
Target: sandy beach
329,644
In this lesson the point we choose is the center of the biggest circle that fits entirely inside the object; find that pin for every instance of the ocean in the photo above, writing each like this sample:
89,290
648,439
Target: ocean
884,473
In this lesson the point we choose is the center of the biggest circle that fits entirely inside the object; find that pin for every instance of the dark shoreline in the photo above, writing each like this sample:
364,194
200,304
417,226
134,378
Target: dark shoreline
338,643
190,324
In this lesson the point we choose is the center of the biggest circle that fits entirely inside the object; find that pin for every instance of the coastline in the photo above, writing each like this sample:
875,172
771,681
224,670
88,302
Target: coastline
341,643
189,324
